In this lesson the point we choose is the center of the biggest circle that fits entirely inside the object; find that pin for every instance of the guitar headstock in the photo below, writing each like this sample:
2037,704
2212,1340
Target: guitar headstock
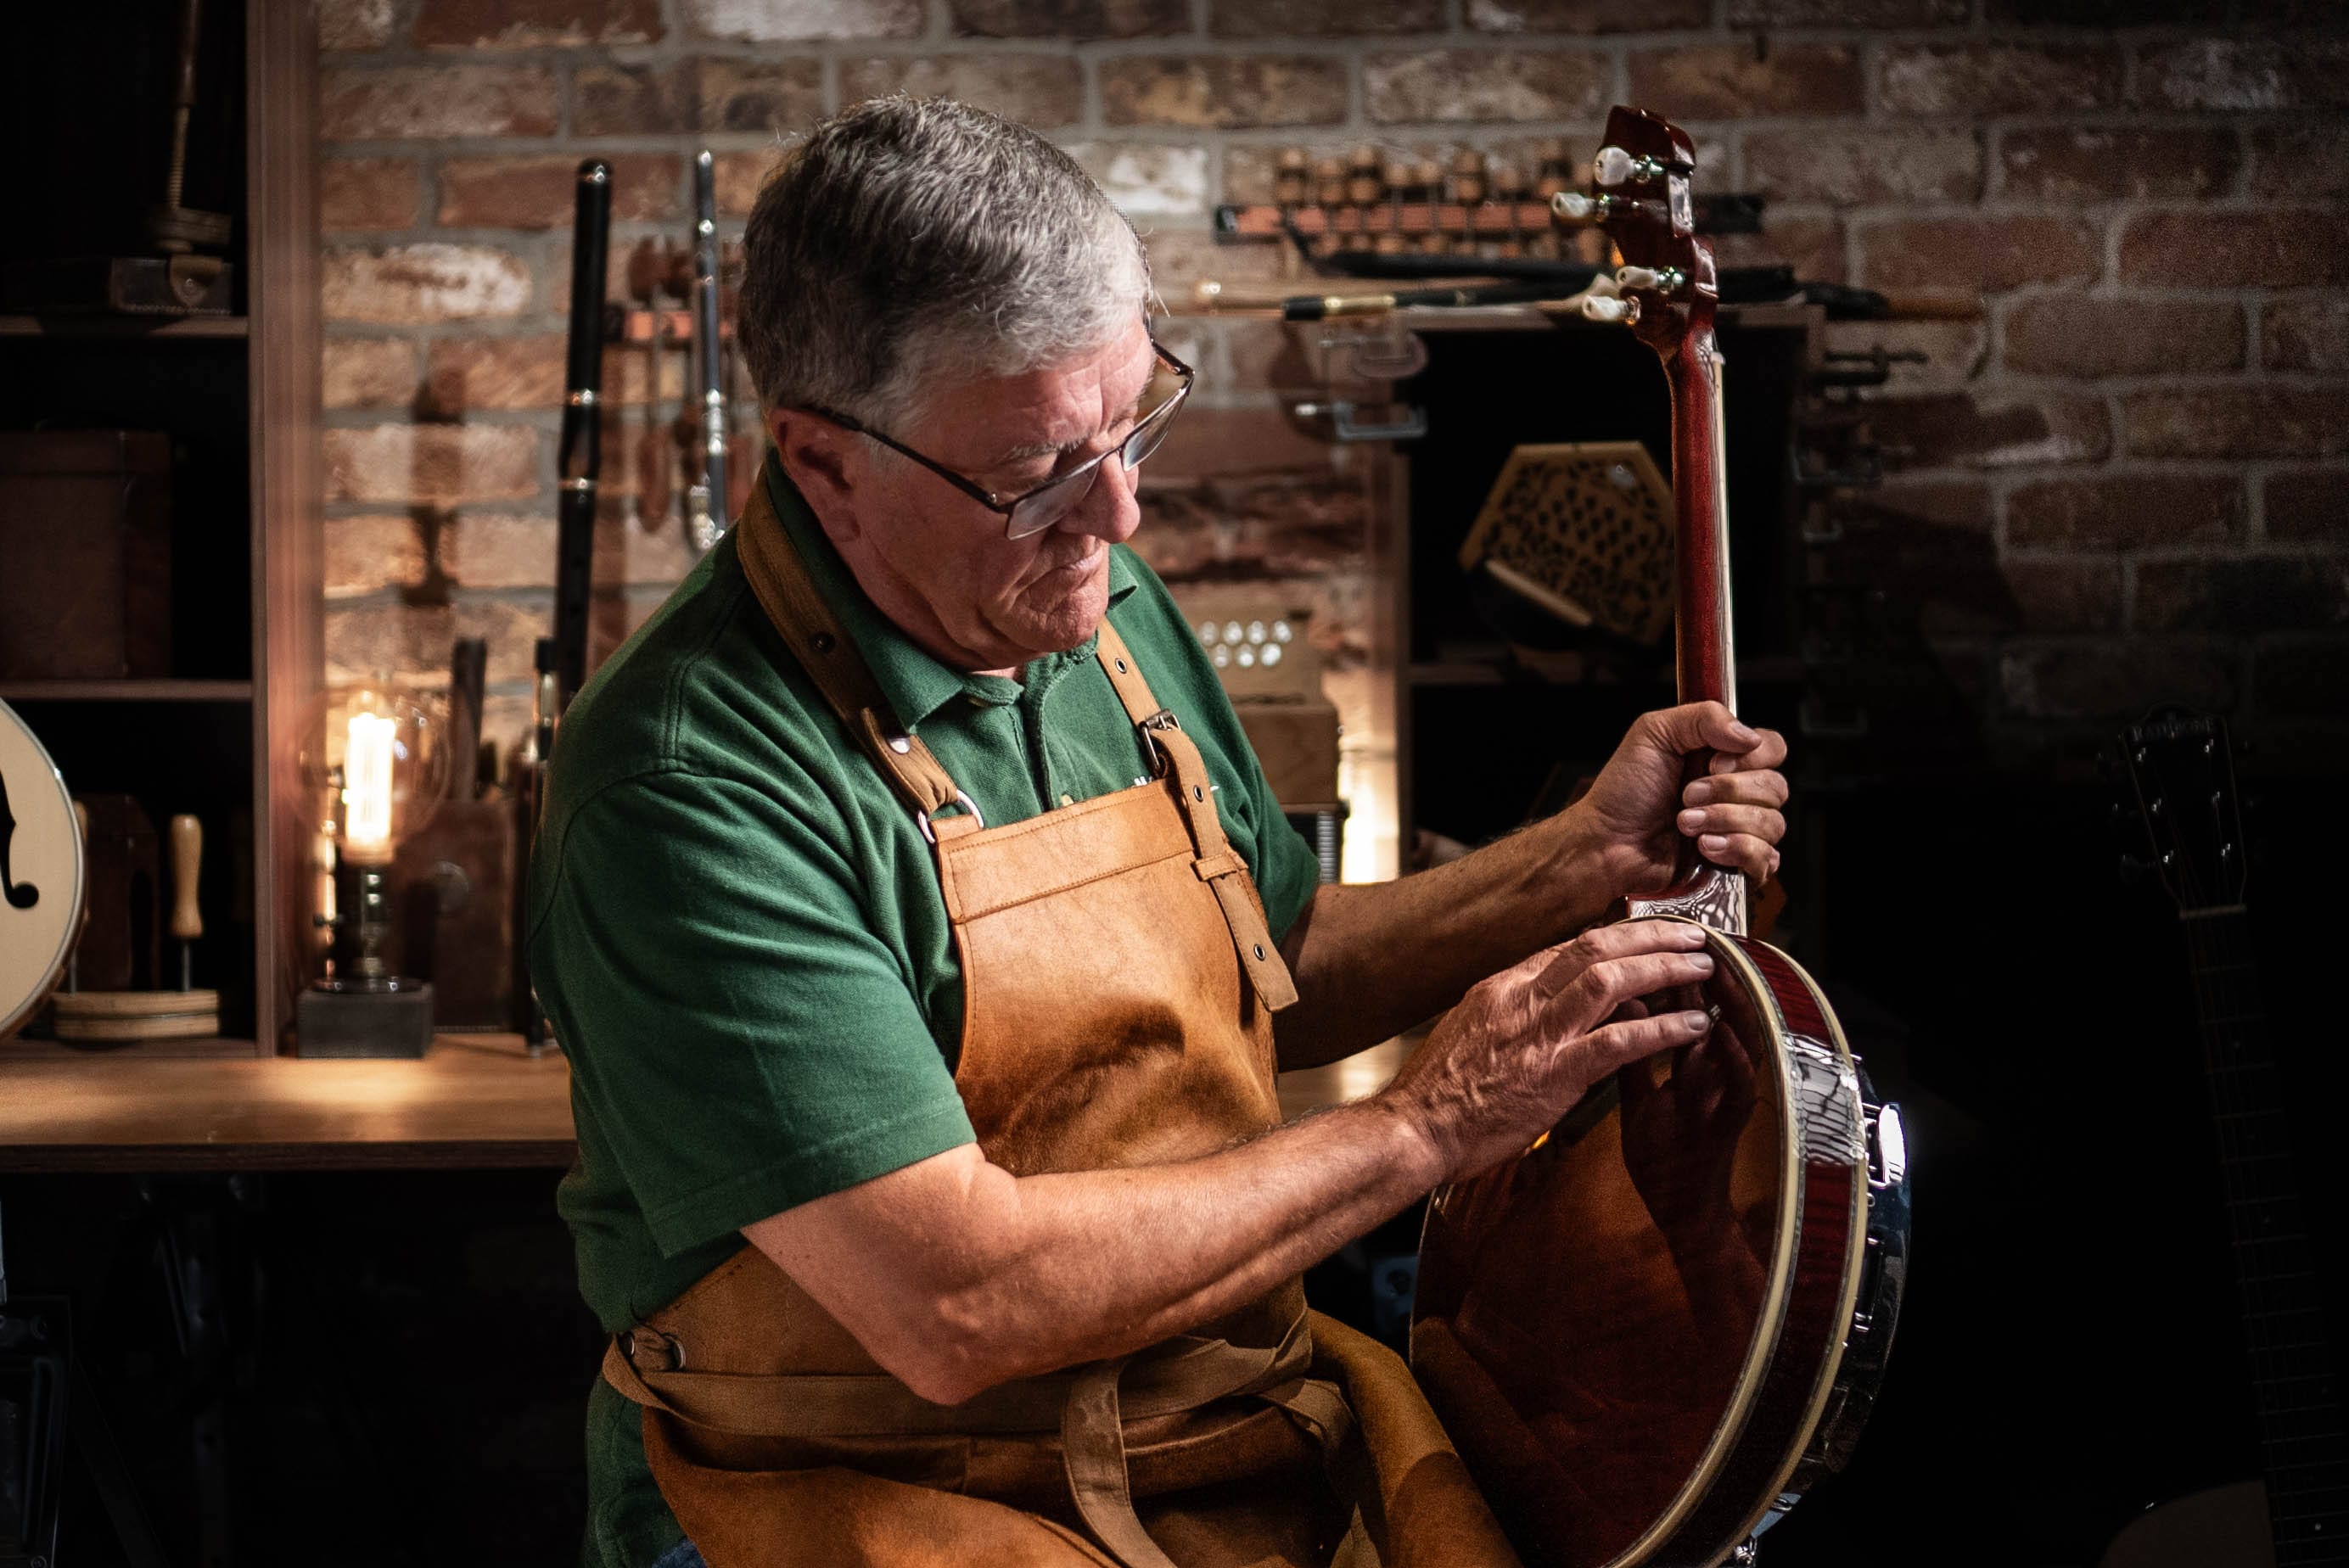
2182,767
1640,195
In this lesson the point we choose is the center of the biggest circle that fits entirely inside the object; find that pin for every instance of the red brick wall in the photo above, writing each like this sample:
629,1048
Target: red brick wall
2146,428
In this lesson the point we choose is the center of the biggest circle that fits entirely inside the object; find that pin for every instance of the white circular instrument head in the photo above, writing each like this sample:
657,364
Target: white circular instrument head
41,870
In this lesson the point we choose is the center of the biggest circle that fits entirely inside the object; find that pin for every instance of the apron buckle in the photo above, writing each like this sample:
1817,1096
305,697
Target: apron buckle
639,1340
1160,763
970,809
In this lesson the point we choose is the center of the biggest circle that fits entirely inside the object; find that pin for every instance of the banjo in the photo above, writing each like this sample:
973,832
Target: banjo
40,873
1652,1331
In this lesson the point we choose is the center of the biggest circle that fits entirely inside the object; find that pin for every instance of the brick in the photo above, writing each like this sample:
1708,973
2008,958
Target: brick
2072,334
1997,78
413,639
2123,512
2107,12
2302,162
1077,19
1902,506
1223,90
367,373
1179,256
2304,678
2304,504
631,100
350,24
1208,443
360,193
740,176
2082,163
2236,422
429,102
1321,18
1814,247
1961,430
2051,596
2263,249
757,97
1876,165
369,554
1147,179
2243,594
802,20
1954,351
2309,332
1736,81
442,463
534,23
542,192
1457,85
1587,15
1986,253
422,284
2242,74
468,373
2100,678
1766,13
1040,91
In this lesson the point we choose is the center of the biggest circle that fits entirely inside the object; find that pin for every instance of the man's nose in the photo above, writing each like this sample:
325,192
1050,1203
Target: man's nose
1111,509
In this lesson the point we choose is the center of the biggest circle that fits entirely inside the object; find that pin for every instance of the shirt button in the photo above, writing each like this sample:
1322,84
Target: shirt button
1068,800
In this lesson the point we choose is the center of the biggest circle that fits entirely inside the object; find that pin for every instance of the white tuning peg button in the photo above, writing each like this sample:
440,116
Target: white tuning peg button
1639,278
1574,204
1613,166
1601,307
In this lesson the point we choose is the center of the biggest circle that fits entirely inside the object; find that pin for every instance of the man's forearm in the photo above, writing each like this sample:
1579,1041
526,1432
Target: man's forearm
1371,960
1029,1273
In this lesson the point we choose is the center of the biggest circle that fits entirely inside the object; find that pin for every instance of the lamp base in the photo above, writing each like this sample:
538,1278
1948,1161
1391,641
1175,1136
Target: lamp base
364,1023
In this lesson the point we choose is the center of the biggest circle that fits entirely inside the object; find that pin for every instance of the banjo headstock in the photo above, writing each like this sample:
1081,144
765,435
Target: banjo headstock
1641,196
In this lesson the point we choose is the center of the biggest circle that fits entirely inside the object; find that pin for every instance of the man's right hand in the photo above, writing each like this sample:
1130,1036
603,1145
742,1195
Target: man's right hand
1522,1047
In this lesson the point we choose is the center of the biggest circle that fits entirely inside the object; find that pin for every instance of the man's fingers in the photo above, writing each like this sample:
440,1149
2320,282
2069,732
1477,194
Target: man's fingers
1705,726
1607,984
1762,823
1559,966
1620,1043
1765,788
1768,750
1755,857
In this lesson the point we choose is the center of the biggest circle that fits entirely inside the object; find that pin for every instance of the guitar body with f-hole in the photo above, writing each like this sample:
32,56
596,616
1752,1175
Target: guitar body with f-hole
1649,1333
2182,770
41,871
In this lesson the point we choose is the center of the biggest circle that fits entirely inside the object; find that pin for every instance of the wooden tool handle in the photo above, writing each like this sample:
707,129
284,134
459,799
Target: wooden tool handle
187,859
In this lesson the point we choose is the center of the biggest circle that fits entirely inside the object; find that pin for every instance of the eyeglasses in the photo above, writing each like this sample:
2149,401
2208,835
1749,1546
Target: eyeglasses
1038,510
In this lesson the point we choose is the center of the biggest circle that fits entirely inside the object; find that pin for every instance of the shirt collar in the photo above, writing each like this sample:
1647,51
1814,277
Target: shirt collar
915,683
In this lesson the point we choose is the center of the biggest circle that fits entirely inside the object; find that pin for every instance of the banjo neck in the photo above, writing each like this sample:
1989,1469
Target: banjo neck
1667,291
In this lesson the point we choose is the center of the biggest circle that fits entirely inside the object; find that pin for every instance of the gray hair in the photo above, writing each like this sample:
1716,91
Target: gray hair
907,241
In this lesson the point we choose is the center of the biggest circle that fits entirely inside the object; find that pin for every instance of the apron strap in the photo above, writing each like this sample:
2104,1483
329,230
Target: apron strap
1218,863
822,645
1089,1407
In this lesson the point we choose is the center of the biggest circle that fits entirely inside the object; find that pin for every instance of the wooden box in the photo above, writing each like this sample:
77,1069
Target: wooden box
85,555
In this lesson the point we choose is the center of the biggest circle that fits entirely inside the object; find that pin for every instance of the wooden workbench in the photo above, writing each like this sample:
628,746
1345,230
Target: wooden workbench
475,1102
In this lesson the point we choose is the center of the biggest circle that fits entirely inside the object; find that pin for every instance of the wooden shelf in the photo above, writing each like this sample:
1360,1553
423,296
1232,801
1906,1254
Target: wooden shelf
125,326
126,691
473,1102
200,1048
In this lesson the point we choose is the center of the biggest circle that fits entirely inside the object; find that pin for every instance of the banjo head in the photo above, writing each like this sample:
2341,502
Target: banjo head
1625,1330
41,870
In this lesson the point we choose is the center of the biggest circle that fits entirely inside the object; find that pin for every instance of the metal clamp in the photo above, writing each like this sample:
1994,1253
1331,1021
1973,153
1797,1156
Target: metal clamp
1342,423
969,806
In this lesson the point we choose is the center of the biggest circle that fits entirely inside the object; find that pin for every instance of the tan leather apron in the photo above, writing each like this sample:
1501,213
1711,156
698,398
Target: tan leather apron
1119,984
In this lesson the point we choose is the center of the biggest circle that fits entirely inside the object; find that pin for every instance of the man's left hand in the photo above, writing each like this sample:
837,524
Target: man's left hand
1641,807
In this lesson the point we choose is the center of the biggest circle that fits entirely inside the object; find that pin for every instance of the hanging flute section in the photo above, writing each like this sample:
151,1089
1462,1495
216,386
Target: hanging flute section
693,466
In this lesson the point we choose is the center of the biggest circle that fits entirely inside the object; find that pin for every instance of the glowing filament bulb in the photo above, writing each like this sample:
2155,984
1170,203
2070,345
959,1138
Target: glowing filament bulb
366,785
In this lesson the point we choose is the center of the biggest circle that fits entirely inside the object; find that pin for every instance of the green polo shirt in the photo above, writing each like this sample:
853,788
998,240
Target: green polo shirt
735,928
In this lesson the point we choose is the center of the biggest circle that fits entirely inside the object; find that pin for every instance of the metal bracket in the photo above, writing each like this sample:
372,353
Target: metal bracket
1390,355
1342,423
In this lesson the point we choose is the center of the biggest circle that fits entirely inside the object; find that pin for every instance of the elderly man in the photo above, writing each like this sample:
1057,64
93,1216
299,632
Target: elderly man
925,937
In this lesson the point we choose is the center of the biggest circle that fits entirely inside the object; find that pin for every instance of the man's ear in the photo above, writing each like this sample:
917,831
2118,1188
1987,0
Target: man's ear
814,454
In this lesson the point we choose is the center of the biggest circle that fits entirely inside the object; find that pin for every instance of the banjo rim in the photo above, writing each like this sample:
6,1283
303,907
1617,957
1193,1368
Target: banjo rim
69,933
